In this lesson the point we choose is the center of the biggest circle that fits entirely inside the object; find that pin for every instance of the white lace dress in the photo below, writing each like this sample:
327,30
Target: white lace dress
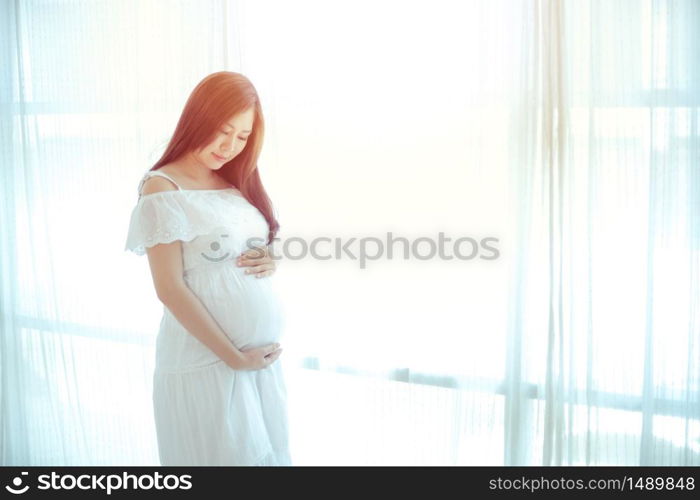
205,412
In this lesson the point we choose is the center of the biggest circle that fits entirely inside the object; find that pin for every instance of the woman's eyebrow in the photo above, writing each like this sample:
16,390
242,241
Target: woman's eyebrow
234,128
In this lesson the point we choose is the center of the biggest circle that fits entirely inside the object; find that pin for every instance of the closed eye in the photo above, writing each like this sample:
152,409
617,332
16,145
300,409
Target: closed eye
241,138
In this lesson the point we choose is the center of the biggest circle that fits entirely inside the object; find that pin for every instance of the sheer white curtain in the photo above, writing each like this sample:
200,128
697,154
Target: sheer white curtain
90,92
604,330
569,131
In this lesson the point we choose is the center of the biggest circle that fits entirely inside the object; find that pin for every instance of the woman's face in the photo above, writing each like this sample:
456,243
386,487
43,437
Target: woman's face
230,140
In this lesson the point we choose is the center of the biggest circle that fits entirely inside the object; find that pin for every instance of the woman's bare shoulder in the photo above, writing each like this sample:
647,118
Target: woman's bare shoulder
157,184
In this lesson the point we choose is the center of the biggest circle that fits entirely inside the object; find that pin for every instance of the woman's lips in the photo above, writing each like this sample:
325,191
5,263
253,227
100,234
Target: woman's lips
219,157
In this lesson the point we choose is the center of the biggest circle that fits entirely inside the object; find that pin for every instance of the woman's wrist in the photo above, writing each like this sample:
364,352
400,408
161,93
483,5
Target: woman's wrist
234,358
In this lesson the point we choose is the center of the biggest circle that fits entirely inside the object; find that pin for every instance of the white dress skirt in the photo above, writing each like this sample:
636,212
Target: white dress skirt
207,413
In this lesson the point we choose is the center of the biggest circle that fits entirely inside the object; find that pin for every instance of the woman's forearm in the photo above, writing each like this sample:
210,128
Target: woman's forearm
196,319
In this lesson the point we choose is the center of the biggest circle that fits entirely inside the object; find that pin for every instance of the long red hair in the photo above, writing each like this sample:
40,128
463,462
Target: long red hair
213,101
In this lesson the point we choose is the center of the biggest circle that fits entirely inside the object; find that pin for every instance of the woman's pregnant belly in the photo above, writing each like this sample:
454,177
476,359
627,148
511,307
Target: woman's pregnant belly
245,307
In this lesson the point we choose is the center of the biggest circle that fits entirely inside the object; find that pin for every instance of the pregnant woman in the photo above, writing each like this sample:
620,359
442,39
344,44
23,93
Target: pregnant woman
205,221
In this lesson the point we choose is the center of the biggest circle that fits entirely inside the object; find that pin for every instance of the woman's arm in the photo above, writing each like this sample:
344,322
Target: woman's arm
165,260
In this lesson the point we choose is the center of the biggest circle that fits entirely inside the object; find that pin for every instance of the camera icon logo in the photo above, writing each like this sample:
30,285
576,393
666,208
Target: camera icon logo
17,483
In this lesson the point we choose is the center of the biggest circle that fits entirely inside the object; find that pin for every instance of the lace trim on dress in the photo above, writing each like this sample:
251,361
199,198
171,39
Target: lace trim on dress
178,215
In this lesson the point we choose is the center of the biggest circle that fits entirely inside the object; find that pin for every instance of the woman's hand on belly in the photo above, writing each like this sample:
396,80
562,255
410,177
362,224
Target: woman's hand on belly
259,262
256,358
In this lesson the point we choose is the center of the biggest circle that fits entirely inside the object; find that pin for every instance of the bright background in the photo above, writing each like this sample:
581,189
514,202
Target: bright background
570,131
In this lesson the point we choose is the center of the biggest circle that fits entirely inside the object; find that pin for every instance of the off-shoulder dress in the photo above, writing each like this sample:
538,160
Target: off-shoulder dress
207,413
